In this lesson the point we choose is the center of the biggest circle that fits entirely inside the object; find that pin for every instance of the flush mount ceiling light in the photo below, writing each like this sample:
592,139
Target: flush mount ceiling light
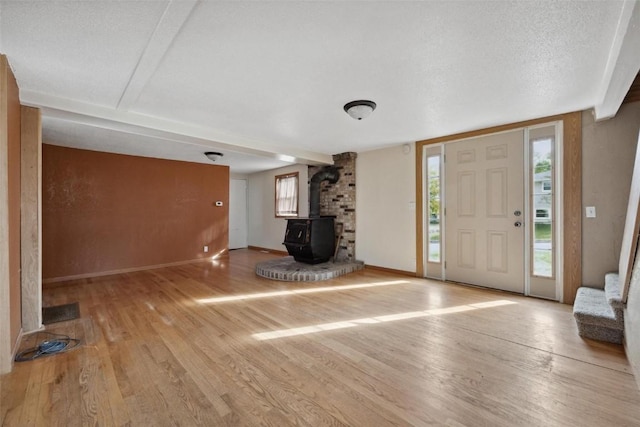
359,109
213,155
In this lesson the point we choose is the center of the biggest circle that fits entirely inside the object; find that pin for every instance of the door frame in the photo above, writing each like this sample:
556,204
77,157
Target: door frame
233,198
570,239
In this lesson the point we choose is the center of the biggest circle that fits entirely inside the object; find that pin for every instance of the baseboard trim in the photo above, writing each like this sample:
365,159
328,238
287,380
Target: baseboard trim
40,329
53,280
16,346
390,270
271,251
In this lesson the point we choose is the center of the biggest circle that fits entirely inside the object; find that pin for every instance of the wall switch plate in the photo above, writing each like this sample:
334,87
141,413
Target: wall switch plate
590,211
206,248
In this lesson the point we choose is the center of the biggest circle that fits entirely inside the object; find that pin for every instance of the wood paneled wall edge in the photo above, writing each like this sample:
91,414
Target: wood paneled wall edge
572,206
31,218
10,293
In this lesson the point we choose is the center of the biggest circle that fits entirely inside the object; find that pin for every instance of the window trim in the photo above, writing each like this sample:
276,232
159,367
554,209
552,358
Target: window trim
295,175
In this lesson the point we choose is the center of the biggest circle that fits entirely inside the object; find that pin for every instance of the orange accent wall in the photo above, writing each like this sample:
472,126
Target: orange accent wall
107,212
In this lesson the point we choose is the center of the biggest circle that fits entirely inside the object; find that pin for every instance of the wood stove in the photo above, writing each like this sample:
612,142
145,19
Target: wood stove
310,240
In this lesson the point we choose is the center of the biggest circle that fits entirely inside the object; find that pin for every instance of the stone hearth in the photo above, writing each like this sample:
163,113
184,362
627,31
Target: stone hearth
289,270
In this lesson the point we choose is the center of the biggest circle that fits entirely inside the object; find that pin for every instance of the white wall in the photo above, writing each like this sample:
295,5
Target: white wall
265,230
238,176
608,151
385,208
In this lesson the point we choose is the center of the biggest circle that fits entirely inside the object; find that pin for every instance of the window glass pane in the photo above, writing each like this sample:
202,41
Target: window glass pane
287,195
433,184
542,206
542,213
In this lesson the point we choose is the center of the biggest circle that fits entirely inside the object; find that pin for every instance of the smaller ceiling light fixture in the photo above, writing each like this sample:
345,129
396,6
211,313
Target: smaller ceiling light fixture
213,155
359,109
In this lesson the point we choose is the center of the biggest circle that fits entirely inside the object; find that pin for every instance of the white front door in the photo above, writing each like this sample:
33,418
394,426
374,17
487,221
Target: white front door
484,211
237,213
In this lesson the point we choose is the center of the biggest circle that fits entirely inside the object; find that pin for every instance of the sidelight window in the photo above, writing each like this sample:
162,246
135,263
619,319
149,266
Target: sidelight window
433,186
542,168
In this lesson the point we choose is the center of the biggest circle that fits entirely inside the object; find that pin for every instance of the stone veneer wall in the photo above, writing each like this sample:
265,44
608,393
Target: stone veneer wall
339,199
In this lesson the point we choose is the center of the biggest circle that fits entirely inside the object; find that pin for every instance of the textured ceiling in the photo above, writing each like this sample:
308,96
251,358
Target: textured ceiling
263,80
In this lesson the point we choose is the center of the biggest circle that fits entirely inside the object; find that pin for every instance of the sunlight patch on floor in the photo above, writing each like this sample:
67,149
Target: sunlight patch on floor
298,292
378,319
215,258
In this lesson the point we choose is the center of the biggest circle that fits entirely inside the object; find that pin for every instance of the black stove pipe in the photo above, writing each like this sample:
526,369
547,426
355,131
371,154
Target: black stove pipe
328,173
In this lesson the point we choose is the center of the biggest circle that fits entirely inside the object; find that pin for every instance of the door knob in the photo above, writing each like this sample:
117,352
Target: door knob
517,213
518,224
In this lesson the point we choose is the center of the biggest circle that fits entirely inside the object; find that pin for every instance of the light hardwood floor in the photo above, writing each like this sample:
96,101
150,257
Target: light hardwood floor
212,344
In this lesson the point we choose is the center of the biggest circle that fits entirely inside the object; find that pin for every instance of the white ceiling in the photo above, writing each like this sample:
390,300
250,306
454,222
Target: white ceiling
265,82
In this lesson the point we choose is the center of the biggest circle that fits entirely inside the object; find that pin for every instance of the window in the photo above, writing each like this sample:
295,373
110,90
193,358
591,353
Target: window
542,240
287,195
433,185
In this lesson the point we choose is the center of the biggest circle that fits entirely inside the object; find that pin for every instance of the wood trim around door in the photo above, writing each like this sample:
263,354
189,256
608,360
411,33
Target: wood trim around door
572,203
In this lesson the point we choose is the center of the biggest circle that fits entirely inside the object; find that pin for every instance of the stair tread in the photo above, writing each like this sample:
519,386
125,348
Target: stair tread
612,289
592,307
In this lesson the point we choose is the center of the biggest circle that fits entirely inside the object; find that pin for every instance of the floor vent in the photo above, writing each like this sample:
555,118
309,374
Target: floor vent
60,313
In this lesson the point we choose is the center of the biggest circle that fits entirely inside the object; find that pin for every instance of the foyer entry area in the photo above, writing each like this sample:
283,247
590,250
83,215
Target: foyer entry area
495,210
536,251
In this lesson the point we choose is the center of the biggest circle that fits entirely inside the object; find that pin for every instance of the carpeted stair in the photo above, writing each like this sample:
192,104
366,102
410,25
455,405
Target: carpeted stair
599,312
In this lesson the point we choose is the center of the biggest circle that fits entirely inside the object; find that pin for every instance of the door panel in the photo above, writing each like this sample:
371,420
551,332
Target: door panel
466,249
497,256
484,187
497,197
466,190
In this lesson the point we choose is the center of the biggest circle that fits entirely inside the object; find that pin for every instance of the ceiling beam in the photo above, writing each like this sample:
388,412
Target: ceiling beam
134,123
173,19
623,63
